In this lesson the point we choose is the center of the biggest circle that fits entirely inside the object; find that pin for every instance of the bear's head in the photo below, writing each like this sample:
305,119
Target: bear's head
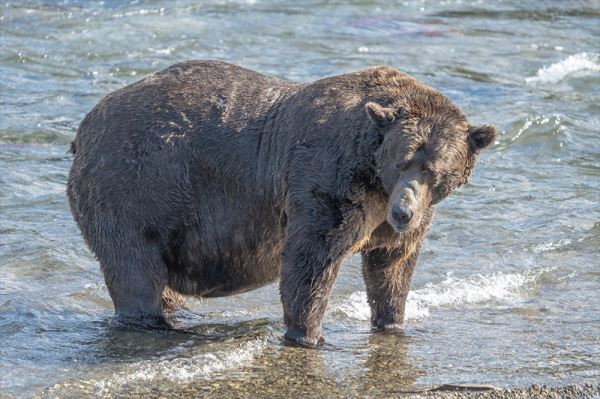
426,149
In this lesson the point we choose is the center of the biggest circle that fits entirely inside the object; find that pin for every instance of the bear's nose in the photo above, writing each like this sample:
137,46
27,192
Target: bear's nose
401,215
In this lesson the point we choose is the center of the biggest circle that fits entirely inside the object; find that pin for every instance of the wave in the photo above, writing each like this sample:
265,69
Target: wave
177,370
558,71
189,369
452,292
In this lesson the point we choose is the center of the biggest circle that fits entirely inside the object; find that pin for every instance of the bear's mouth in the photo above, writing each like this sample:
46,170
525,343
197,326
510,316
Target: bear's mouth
399,228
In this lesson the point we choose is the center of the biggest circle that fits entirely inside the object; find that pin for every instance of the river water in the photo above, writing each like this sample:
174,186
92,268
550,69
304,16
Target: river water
507,289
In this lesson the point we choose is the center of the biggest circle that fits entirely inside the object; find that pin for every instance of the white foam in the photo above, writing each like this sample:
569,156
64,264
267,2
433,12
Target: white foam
574,63
452,292
356,307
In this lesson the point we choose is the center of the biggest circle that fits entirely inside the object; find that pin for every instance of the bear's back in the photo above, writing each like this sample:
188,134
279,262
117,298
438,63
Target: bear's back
188,101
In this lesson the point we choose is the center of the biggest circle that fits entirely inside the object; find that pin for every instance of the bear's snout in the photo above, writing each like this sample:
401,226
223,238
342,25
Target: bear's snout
405,205
401,215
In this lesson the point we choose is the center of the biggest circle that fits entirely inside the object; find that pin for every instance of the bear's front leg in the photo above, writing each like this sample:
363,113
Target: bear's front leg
316,242
308,272
388,275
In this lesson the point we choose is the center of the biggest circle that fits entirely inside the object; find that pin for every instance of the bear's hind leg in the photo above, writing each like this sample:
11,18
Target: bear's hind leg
136,277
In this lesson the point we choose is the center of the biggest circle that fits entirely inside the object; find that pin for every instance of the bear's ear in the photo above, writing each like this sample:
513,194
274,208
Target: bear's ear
481,137
380,115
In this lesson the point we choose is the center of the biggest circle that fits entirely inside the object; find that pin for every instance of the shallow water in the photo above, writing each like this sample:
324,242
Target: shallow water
507,287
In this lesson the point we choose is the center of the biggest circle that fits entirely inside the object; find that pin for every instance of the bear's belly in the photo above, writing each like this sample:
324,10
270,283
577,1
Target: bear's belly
239,274
229,265
236,285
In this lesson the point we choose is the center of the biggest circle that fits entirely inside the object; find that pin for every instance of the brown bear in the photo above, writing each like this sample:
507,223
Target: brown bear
209,179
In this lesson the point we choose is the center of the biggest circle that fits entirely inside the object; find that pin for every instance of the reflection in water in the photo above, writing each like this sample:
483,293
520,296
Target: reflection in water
282,370
389,370
244,359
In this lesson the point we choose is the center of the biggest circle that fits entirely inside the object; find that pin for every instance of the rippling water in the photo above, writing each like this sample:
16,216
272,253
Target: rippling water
507,287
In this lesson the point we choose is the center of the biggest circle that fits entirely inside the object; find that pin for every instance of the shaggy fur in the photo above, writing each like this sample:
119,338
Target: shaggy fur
208,179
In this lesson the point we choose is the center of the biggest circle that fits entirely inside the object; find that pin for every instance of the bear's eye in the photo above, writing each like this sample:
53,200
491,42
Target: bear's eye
428,170
428,173
440,192
444,186
406,165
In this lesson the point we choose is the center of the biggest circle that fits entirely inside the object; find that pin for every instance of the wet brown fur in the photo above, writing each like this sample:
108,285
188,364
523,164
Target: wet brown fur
208,179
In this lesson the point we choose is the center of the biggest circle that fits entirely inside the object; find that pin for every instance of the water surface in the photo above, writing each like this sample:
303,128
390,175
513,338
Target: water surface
507,287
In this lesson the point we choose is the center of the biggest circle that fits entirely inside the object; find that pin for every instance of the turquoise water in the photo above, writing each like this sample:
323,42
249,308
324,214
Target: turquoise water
507,287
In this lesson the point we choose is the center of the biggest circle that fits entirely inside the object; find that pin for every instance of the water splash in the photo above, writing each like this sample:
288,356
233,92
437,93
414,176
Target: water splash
452,292
558,71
